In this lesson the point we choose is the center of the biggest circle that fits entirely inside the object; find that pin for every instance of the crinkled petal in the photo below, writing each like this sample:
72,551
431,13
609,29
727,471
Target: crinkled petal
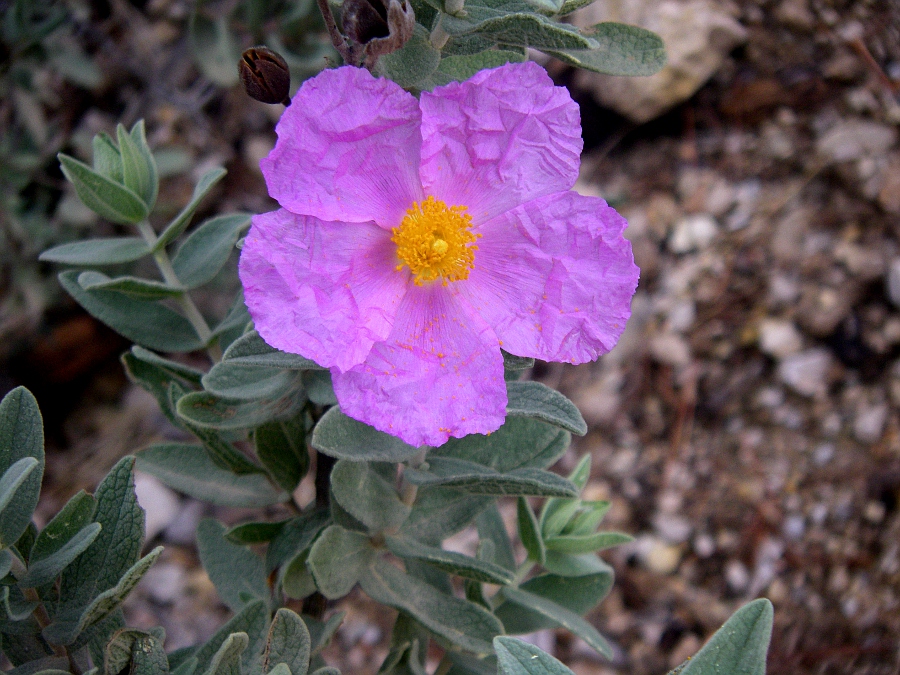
502,138
439,374
325,290
348,149
554,278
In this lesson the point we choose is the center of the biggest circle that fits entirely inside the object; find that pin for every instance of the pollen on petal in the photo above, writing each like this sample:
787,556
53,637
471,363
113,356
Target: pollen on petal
436,242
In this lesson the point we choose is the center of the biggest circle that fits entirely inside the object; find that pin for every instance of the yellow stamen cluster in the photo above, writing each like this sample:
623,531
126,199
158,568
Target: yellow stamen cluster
435,240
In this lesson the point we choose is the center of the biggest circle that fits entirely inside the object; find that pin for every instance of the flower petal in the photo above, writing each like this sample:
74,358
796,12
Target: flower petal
499,139
327,291
439,374
554,278
348,149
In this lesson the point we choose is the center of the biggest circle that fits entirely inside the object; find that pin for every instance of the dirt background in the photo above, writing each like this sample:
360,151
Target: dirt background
745,429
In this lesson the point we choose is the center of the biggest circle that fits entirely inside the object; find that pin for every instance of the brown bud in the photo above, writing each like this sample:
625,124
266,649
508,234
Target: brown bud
265,75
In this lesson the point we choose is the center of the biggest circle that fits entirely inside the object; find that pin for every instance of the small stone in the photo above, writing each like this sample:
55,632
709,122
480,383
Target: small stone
704,545
779,338
794,527
692,233
737,576
823,454
161,505
854,139
874,512
869,423
795,14
671,349
663,558
807,372
672,528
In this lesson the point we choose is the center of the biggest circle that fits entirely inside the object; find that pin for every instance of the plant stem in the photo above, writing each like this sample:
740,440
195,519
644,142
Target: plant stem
338,40
408,491
192,314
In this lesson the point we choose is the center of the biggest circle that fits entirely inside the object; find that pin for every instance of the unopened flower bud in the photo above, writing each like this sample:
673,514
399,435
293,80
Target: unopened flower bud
265,75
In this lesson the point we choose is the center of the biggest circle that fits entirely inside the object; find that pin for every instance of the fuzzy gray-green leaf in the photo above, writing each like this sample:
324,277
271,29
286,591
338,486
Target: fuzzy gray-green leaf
227,661
739,647
251,620
345,438
47,568
450,561
529,532
110,251
536,400
367,496
251,349
147,323
248,383
288,643
622,50
338,559
236,571
182,220
208,248
188,469
515,657
461,622
214,412
135,287
106,198
21,437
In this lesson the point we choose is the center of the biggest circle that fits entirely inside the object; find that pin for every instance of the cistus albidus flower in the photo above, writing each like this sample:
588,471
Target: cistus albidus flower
416,238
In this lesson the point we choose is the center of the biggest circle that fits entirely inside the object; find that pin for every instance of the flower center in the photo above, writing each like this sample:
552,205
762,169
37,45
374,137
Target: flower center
435,240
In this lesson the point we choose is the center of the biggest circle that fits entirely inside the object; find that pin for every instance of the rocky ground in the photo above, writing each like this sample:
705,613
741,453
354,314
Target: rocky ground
745,428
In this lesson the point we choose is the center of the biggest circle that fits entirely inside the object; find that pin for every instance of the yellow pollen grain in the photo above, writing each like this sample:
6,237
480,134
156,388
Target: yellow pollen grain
436,242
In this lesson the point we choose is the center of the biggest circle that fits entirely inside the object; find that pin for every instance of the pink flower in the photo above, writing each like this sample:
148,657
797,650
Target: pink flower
418,237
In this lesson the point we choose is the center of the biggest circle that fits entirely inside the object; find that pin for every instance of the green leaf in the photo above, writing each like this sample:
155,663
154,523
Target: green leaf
251,349
215,50
188,469
450,562
107,158
586,518
281,447
581,472
515,657
460,622
439,512
288,643
529,532
112,251
481,480
526,30
15,607
13,478
338,559
251,620
139,652
319,387
296,536
104,197
321,633
46,569
623,50
367,496
171,368
21,437
411,65
147,323
142,289
564,617
139,136
520,442
577,594
136,170
576,545
460,68
249,383
5,562
739,647
255,532
222,453
343,437
297,581
111,599
227,661
182,220
536,400
208,248
491,528
237,573
213,412
567,565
